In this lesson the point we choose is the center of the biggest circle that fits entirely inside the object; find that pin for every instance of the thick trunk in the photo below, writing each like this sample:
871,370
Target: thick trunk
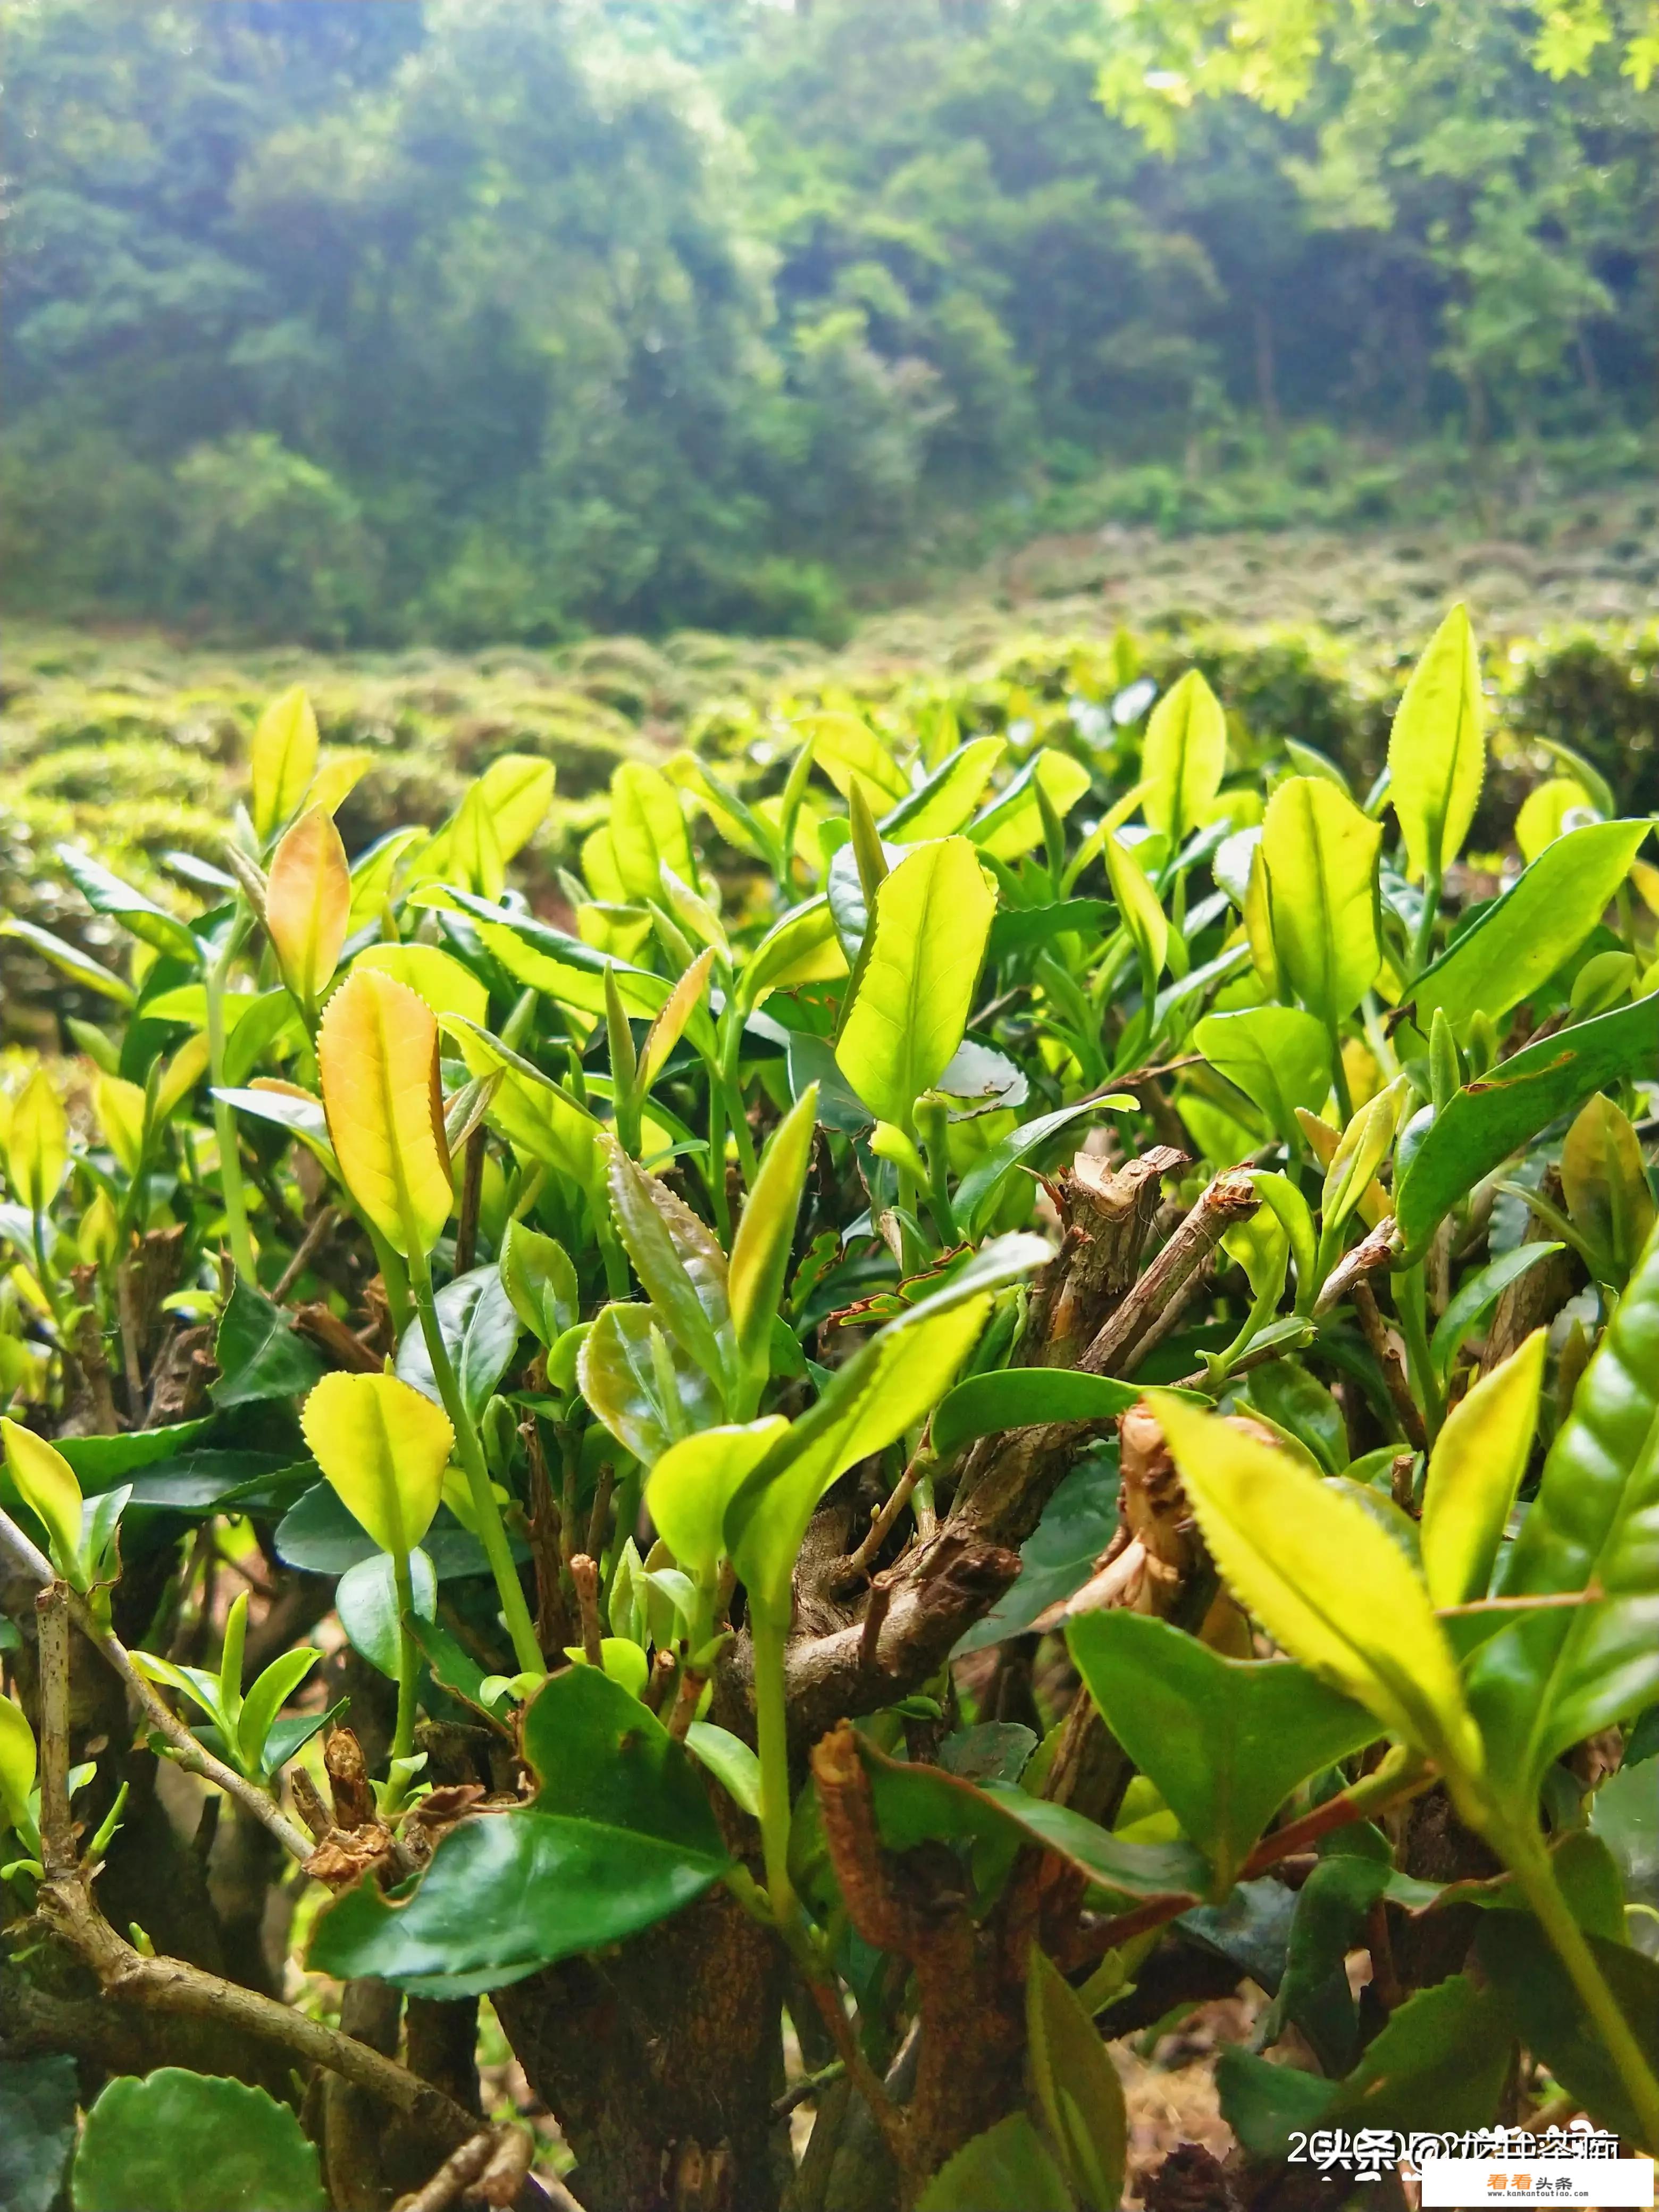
660,2062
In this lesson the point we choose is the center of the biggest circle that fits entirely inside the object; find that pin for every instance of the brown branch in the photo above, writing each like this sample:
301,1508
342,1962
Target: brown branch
598,1518
857,1565
585,1573
185,1751
1374,1250
1376,1339
1158,1298
327,1328
467,1221
310,1244
169,1986
56,1828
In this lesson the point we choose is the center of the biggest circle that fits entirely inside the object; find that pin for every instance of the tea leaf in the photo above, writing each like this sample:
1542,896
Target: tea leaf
932,915
619,1835
1325,1581
1184,756
383,1447
178,2141
308,904
1076,2086
1224,1740
1518,942
1437,750
377,1051
1320,857
1474,1472
45,1482
281,761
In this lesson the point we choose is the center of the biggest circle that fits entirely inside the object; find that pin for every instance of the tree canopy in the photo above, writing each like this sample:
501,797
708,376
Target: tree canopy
491,318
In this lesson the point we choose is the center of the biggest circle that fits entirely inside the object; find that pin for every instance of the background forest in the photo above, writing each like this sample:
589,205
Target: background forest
466,320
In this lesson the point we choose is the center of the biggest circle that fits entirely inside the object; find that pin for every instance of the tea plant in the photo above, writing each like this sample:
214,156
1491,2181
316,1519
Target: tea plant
972,1398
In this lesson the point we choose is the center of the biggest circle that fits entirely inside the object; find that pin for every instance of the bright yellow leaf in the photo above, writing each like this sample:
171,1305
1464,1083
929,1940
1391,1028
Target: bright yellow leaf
1325,1581
433,975
383,1446
377,1051
308,904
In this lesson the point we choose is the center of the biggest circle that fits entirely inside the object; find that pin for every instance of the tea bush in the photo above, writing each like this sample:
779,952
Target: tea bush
991,1373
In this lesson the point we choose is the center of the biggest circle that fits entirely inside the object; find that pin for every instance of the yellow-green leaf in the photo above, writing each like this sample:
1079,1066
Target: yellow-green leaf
1185,756
18,1763
1320,855
1012,823
849,751
472,849
1604,1180
308,904
181,1075
1360,1152
338,773
760,1250
694,1482
383,1446
45,1482
802,948
1438,749
282,761
433,975
932,915
119,1107
1138,903
1327,1582
1544,816
1474,1472
678,1009
376,1053
647,827
1076,2086
37,1143
517,790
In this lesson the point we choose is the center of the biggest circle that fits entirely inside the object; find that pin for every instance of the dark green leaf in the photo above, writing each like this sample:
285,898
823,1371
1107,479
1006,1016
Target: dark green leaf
1059,1556
1485,1123
99,1462
37,2130
1557,1674
1265,2104
1513,1953
1441,2063
178,2141
259,1354
1006,2169
320,1535
480,1332
454,1668
1329,1920
1225,1741
916,1804
1476,1296
1015,929
977,1193
206,1481
619,1835
1015,1397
